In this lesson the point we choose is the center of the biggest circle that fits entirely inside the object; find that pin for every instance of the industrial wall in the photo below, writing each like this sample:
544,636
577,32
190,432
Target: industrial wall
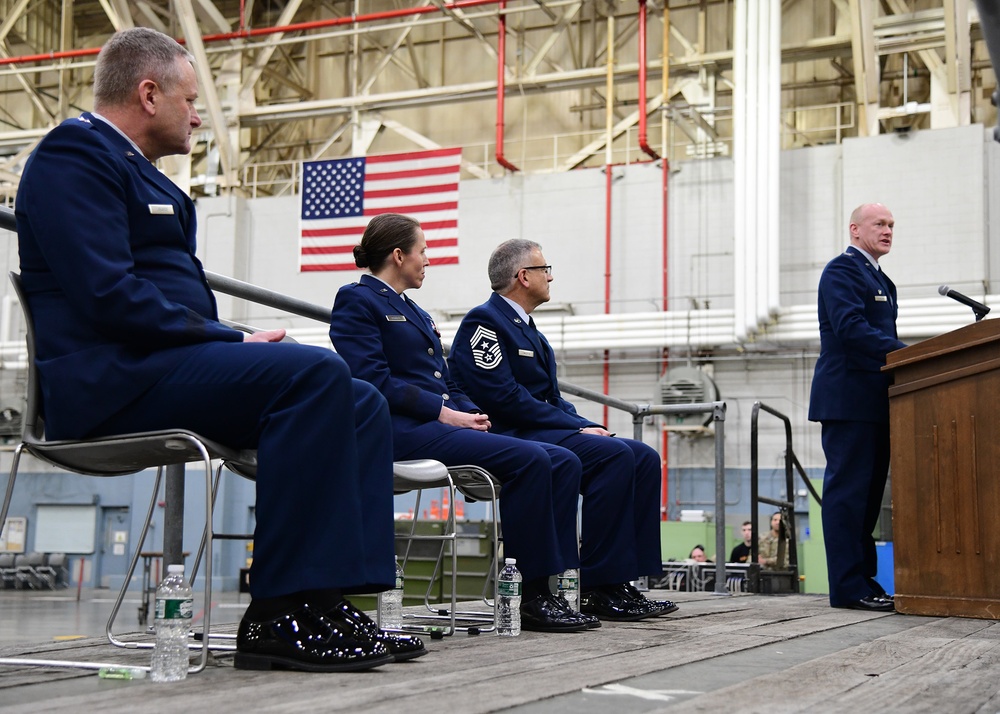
937,183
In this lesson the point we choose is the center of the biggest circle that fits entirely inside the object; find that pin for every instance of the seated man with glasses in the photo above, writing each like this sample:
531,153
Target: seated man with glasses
507,367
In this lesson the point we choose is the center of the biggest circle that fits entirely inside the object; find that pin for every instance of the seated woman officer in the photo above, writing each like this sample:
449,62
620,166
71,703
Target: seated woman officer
389,341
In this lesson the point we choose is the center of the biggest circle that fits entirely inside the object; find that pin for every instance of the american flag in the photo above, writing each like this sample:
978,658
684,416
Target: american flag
340,196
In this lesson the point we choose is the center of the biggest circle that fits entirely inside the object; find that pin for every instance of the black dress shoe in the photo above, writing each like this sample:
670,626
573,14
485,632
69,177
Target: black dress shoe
305,640
872,603
654,607
592,622
611,604
401,646
547,614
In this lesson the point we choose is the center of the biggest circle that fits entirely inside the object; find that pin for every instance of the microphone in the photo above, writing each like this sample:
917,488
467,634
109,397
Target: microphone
978,308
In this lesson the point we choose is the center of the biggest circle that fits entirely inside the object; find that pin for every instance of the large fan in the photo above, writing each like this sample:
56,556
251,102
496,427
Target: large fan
687,385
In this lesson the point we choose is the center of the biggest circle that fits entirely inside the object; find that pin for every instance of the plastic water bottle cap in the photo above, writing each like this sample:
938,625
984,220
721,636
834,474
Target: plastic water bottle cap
175,568
510,561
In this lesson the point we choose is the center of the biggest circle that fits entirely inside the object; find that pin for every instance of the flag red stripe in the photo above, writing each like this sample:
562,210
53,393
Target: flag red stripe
327,249
411,191
412,173
435,225
432,153
329,266
442,243
450,206
447,260
327,232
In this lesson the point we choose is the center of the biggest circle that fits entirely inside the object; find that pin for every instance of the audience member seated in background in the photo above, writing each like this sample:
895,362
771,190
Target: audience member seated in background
772,546
741,553
390,342
128,340
509,369
697,554
704,579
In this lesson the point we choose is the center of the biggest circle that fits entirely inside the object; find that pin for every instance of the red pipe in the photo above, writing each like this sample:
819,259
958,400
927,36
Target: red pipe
665,450
608,170
244,33
501,83
643,143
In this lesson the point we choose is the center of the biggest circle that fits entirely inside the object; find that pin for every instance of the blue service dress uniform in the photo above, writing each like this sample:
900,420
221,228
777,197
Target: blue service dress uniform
128,340
508,367
392,343
850,396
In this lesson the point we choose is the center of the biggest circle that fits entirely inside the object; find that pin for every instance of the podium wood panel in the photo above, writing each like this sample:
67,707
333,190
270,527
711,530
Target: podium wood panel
945,430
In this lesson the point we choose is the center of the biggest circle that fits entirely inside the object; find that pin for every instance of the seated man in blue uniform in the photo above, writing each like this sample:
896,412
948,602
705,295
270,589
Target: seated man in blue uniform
128,340
508,368
390,342
850,397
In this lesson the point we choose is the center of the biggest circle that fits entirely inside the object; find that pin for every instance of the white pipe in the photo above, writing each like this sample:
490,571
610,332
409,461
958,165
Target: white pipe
773,292
740,272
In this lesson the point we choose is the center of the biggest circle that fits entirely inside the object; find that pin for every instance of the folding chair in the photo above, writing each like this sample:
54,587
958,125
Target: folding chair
45,575
55,572
112,456
475,484
24,571
8,573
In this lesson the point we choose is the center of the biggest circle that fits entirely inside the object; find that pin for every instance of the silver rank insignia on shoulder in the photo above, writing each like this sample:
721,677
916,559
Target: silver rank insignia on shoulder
485,348
396,318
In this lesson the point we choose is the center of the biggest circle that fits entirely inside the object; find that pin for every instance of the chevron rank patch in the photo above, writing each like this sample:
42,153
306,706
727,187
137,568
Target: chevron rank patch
485,348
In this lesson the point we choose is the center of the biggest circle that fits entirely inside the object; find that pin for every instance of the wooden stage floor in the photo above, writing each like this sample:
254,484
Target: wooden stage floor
748,653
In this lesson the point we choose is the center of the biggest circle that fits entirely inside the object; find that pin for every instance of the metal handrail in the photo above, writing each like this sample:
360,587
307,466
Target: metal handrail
785,505
718,412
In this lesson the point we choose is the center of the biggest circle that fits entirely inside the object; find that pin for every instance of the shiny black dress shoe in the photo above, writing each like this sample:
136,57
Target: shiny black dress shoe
401,646
305,640
872,603
547,614
611,603
592,622
654,607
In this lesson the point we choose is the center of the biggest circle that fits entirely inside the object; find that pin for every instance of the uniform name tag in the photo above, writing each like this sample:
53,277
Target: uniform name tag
525,353
161,209
396,318
881,298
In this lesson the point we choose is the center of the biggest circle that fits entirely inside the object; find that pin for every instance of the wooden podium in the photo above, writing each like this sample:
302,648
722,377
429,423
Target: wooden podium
945,424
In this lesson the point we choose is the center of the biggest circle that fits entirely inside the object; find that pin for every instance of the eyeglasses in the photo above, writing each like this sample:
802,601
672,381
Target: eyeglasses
546,268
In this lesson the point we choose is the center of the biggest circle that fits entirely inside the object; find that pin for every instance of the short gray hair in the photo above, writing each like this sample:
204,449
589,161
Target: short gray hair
130,57
507,259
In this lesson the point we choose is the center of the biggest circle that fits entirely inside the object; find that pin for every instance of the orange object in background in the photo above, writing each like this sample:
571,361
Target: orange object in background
435,510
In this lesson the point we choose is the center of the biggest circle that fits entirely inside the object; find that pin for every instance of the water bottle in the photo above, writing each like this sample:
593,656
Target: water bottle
390,603
509,600
569,587
172,622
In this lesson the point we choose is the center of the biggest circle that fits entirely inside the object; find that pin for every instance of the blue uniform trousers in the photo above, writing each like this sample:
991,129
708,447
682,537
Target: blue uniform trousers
620,523
857,465
324,479
538,495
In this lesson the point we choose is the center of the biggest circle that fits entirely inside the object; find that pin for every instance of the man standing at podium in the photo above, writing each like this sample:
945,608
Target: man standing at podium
850,397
